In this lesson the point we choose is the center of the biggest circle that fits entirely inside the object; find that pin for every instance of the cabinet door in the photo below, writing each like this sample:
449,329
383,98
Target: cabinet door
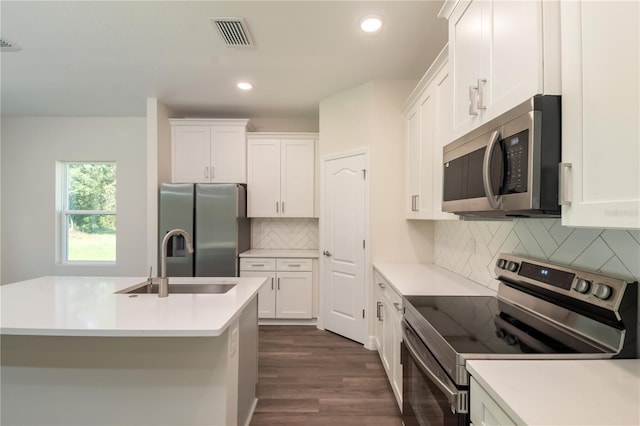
484,410
396,378
267,294
443,122
263,183
379,322
413,162
600,110
427,139
228,154
297,178
191,151
293,294
516,55
469,30
387,336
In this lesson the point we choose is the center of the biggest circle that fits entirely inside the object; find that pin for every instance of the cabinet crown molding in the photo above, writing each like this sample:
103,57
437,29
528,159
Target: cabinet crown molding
447,8
283,135
426,79
210,121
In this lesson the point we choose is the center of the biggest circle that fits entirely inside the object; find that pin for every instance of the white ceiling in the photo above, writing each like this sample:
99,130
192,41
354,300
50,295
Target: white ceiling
88,58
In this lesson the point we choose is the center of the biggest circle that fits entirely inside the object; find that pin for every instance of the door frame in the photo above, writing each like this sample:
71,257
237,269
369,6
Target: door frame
367,258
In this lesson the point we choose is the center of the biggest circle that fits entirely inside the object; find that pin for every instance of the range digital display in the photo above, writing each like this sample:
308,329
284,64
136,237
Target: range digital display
547,275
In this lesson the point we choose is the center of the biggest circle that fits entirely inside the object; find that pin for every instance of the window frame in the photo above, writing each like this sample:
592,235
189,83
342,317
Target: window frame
65,212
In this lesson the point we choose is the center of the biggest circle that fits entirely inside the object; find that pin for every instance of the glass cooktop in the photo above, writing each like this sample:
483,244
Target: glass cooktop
479,325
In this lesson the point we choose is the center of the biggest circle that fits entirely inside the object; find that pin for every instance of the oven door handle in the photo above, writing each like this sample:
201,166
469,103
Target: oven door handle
457,406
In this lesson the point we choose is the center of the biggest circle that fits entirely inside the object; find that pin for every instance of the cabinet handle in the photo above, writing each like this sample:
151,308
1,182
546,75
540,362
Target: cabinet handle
282,207
398,306
564,198
213,172
271,283
278,283
381,285
294,265
481,83
206,172
378,313
277,207
473,110
258,264
417,202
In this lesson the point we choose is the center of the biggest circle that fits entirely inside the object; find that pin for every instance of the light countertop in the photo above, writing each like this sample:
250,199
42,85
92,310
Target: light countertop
559,392
281,253
413,279
87,306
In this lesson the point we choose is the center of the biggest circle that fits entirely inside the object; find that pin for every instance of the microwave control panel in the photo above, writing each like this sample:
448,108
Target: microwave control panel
516,161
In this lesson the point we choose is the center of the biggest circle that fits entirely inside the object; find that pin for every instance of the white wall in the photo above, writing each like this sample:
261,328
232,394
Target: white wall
158,171
370,116
31,146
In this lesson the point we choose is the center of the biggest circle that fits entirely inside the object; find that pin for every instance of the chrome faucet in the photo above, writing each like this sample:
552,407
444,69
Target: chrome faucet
163,282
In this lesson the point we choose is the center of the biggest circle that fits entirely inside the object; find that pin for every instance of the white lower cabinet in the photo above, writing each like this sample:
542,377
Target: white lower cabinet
288,292
485,411
389,333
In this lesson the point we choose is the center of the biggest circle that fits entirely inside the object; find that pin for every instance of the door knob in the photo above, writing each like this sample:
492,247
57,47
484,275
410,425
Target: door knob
326,253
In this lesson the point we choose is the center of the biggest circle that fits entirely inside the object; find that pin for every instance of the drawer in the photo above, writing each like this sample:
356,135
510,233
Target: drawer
257,264
293,264
389,292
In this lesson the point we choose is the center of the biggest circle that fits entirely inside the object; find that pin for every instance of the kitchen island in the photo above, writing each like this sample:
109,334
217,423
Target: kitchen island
75,352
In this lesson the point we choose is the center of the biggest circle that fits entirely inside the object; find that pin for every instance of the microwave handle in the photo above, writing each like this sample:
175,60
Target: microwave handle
494,200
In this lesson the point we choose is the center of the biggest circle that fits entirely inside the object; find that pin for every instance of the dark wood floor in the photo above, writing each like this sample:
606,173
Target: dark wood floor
311,377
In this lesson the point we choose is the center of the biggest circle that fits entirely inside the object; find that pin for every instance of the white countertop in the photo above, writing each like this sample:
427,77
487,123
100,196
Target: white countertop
281,253
559,392
87,306
414,279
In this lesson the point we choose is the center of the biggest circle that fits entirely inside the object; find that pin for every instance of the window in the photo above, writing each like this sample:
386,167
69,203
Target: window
88,212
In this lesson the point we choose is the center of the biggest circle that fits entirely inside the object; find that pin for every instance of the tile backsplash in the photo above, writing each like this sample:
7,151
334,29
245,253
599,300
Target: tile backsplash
285,233
471,248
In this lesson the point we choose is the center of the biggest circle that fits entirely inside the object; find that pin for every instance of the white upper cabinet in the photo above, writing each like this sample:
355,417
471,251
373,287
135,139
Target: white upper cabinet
208,150
600,114
428,129
281,175
500,54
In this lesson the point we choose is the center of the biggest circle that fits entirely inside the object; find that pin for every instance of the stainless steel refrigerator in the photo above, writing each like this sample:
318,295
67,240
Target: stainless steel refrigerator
215,215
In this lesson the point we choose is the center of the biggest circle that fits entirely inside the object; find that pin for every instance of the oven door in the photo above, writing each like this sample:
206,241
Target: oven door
429,396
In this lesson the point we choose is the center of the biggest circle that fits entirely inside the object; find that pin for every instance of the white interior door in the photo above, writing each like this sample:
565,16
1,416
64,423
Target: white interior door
344,218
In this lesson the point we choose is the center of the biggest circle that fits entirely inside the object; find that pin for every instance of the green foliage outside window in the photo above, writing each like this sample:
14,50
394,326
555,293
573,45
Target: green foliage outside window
92,186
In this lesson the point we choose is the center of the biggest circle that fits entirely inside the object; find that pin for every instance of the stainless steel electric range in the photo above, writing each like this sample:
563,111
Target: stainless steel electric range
542,311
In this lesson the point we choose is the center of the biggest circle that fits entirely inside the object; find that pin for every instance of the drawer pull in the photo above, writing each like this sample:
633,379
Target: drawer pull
257,264
381,285
294,265
398,306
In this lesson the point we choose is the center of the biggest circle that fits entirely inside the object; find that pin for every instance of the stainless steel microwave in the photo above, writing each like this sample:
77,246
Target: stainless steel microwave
508,166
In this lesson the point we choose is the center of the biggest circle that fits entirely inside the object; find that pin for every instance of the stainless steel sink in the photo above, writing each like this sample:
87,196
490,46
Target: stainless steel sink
179,288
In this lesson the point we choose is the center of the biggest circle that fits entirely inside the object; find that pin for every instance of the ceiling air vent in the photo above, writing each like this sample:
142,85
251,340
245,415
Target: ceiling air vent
7,46
233,31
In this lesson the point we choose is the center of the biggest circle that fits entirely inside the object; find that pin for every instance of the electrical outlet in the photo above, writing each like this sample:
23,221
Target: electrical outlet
234,342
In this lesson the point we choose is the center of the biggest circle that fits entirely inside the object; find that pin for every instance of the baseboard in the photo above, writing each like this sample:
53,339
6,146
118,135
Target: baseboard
265,321
253,408
371,344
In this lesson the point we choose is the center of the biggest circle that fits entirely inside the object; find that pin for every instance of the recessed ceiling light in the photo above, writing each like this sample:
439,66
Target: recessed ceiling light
244,85
371,23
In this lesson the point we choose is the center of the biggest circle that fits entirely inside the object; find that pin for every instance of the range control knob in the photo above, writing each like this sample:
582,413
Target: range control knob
582,286
501,263
602,291
512,266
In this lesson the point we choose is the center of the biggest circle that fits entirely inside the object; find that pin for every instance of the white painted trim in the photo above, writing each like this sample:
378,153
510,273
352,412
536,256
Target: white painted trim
152,184
371,343
282,135
367,259
253,409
